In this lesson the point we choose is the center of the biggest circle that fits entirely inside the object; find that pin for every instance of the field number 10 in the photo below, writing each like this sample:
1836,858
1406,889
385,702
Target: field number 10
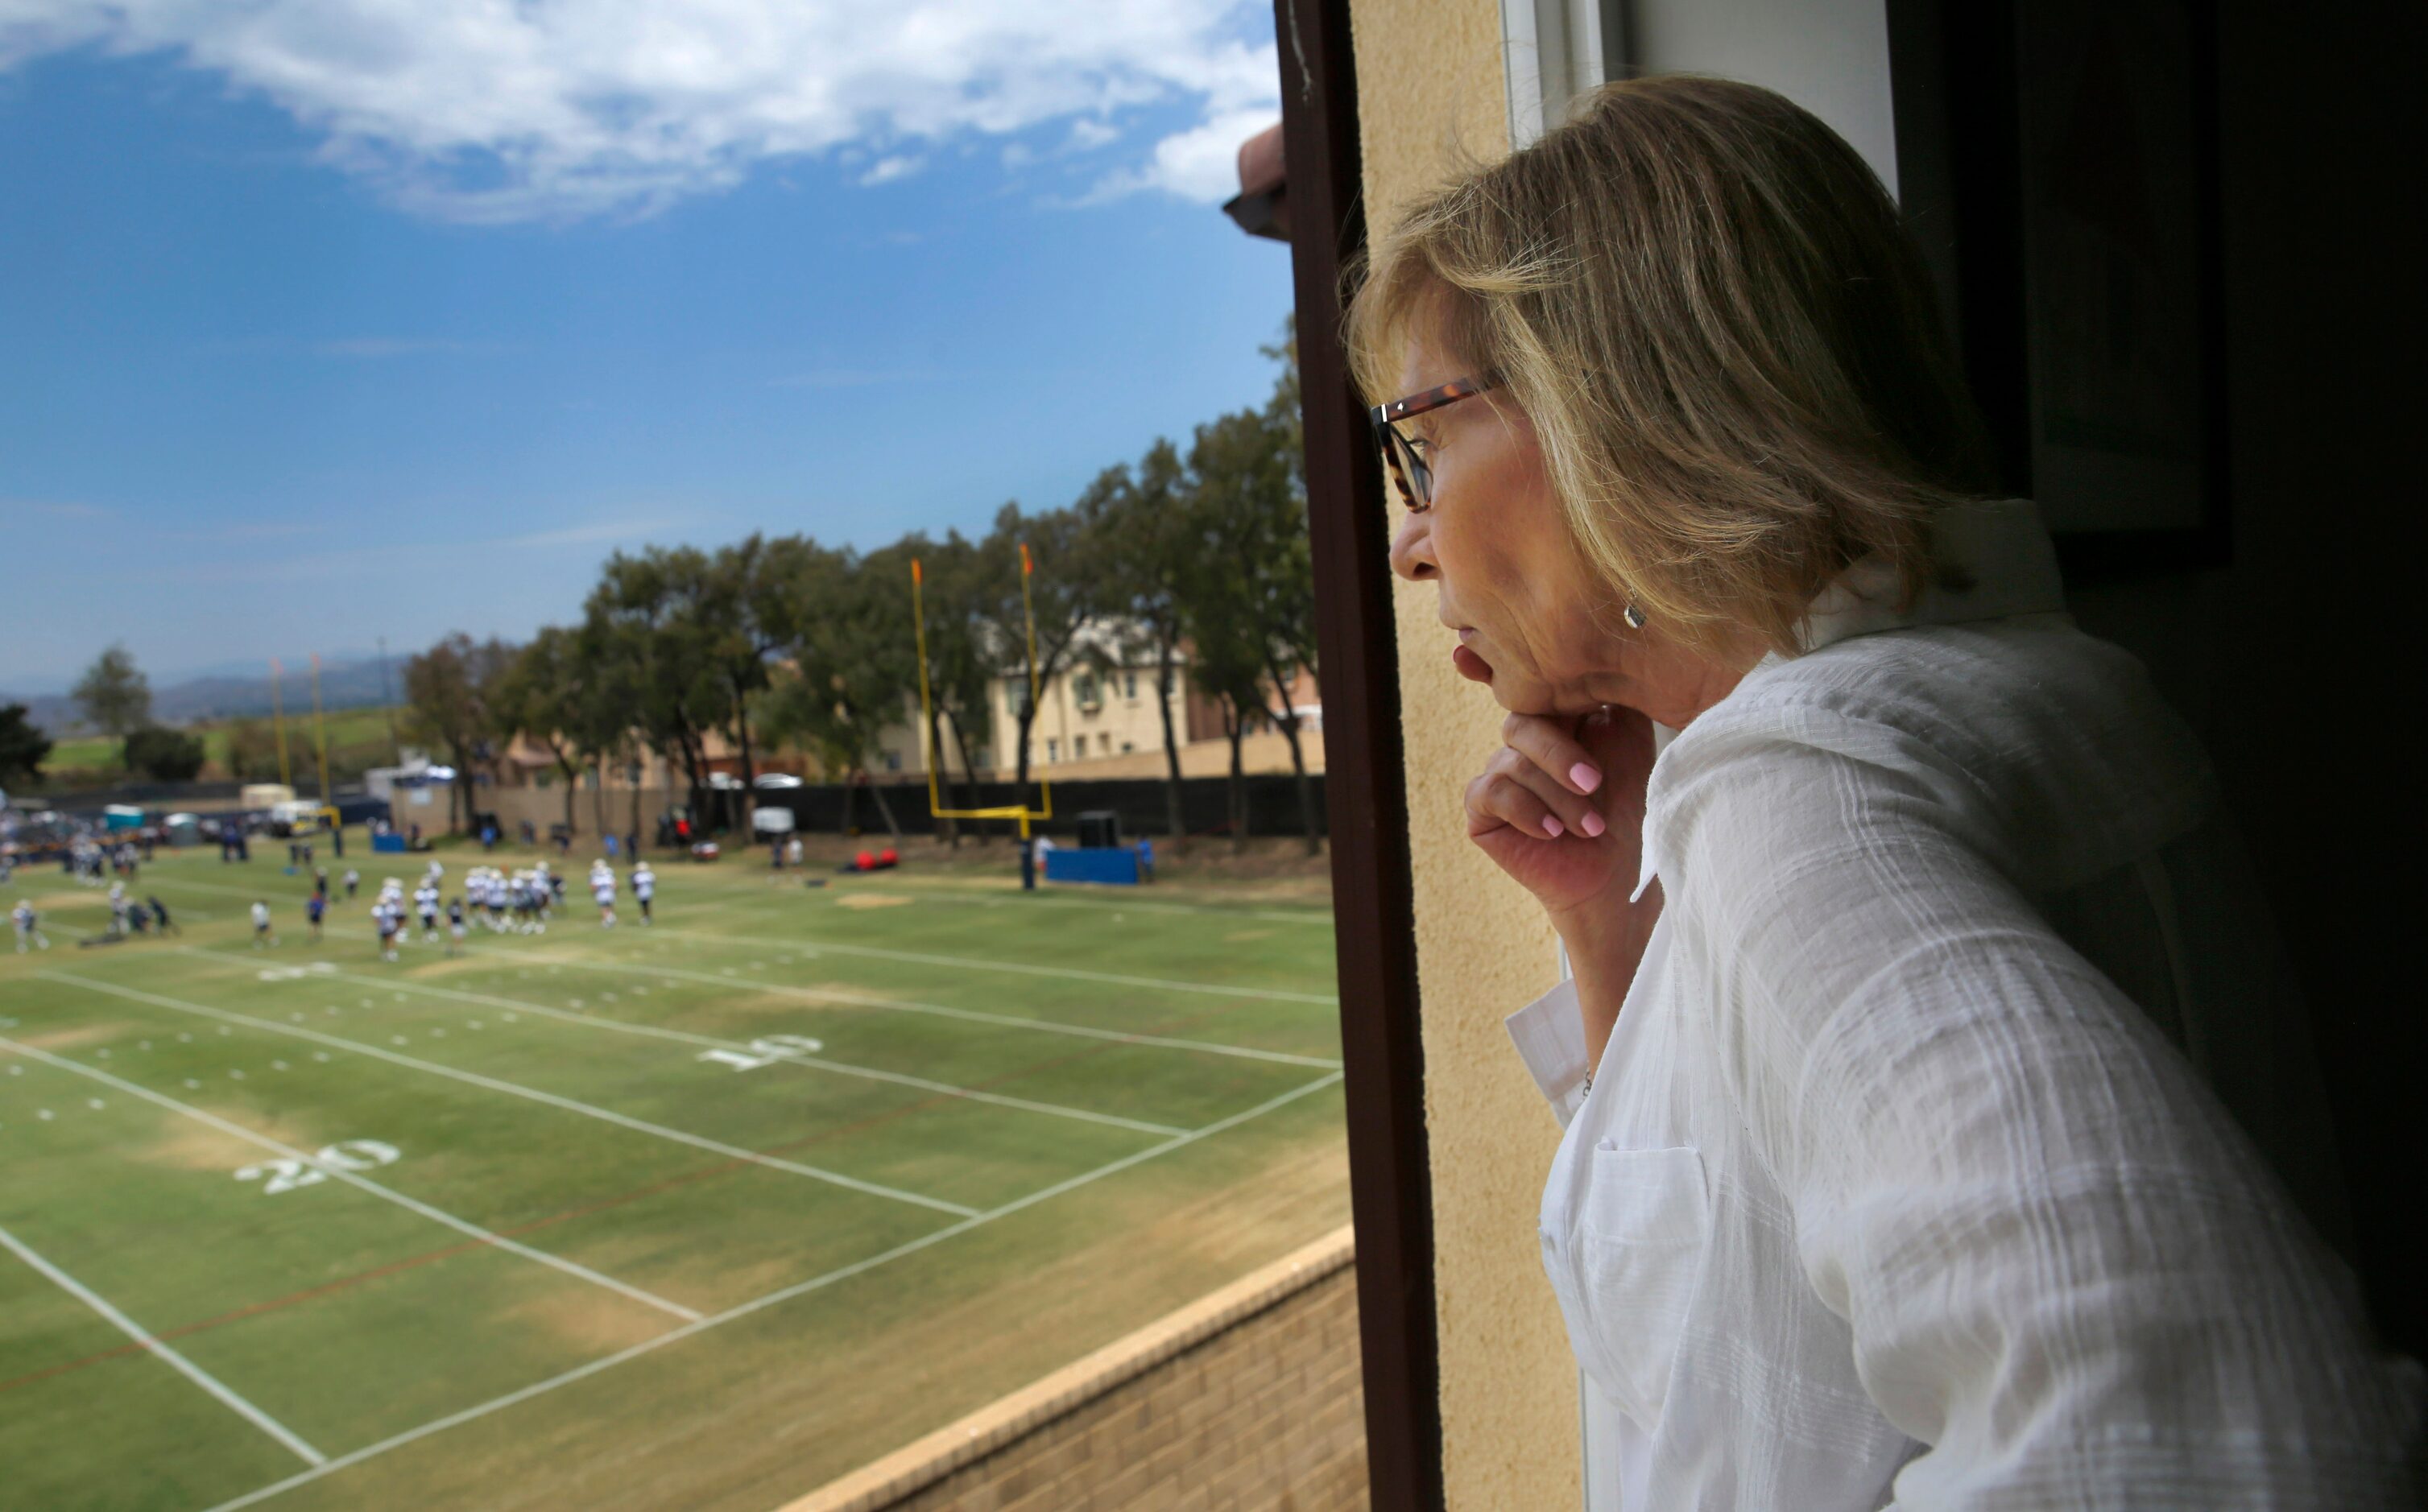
347,1155
765,1051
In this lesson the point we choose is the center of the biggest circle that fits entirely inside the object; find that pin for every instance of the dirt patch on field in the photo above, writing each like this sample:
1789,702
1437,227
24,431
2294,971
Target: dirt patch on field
873,900
444,967
786,1003
75,1036
958,1349
591,1321
56,902
186,1145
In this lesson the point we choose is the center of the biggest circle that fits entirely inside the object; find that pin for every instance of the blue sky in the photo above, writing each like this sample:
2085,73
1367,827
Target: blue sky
282,370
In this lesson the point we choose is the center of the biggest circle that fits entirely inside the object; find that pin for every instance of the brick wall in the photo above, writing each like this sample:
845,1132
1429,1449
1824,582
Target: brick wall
1247,1398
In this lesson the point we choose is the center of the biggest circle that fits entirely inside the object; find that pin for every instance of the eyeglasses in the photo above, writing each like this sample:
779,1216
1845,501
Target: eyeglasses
1408,467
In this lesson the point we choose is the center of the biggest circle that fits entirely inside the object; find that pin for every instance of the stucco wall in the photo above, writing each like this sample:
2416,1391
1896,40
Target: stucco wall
1430,94
1831,57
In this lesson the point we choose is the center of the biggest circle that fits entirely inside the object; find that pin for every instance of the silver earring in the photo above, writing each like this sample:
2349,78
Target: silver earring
1633,616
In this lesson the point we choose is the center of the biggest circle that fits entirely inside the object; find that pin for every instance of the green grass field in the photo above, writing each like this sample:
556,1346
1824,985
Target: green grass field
694,1216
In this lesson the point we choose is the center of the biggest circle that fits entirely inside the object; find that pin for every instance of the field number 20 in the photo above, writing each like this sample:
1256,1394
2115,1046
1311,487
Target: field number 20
347,1155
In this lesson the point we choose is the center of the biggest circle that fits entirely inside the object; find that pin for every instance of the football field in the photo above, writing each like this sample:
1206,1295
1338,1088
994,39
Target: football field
698,1215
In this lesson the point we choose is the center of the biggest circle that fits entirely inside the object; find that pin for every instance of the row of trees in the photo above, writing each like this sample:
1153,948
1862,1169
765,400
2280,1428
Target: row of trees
1189,562
115,698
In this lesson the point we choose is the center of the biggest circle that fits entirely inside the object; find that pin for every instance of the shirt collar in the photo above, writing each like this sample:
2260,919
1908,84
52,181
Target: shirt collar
1999,547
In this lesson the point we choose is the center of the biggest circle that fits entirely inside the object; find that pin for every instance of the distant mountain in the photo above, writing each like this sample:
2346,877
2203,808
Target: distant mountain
343,685
54,714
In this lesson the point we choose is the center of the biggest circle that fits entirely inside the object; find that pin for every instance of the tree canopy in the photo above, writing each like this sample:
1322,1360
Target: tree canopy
24,747
1193,563
113,694
164,755
450,691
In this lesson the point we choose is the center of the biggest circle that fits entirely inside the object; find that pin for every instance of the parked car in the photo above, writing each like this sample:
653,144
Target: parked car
776,780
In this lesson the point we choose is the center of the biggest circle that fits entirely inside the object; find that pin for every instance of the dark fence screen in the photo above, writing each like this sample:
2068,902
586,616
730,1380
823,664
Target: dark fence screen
1205,805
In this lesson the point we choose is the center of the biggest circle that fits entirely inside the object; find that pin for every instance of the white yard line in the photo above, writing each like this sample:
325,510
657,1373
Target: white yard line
975,964
1321,999
352,1178
926,886
683,1036
857,999
180,1363
784,1295
1011,898
513,1089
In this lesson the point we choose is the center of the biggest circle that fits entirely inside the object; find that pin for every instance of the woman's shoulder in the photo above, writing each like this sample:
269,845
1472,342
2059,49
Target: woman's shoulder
2047,750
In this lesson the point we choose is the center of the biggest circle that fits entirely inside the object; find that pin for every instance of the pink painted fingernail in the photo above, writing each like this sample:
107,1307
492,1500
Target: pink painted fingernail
1552,827
1585,777
1592,824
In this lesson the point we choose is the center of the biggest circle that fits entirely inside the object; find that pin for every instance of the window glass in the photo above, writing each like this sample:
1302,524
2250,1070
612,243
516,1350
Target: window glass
553,444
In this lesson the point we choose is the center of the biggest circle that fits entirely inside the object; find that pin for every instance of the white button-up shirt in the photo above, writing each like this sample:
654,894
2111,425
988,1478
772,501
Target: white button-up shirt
1923,1166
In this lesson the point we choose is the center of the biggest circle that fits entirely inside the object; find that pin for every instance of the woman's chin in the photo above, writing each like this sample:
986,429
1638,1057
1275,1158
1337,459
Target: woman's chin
1512,689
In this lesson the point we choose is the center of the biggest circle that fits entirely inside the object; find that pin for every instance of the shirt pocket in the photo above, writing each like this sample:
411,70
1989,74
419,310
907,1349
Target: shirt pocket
1642,1233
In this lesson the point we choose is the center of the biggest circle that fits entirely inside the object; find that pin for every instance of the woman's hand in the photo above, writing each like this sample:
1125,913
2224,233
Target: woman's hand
1560,807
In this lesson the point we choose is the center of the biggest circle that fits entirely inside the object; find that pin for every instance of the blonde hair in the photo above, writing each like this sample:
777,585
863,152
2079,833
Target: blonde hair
1703,301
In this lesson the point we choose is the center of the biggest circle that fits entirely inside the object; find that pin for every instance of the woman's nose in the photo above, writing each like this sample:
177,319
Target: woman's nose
1412,549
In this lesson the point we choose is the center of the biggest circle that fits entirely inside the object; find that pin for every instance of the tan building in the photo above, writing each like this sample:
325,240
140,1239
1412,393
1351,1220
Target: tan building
1099,719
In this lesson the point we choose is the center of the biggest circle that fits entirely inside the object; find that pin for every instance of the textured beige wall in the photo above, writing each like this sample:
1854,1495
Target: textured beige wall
1248,1398
1431,95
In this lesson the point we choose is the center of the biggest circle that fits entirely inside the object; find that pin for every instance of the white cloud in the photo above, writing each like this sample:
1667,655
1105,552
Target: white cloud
482,110
61,509
577,535
325,565
406,347
248,530
887,169
1202,163
849,377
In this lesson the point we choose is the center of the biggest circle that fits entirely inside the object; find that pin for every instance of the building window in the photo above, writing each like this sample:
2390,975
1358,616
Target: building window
1053,749
1018,694
893,760
1127,748
1078,746
1089,693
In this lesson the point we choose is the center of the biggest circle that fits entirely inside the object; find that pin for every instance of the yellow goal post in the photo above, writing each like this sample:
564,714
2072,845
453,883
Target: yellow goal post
1021,813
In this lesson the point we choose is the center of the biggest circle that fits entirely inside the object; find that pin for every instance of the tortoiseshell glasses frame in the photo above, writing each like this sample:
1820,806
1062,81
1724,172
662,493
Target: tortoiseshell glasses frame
1407,463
